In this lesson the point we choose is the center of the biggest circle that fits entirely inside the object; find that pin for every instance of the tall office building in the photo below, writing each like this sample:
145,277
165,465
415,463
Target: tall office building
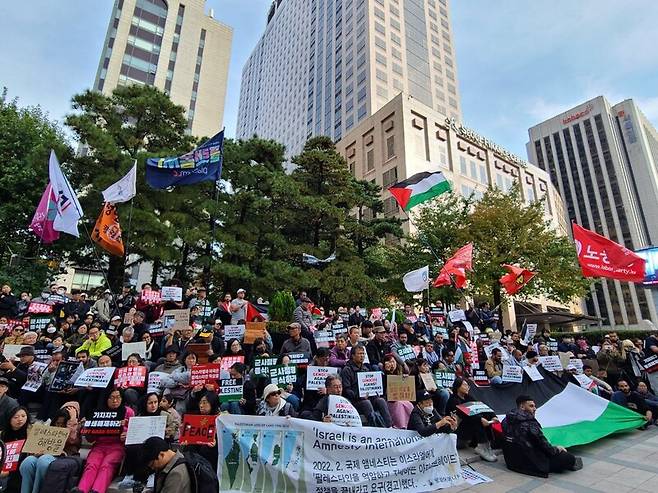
323,66
175,46
604,161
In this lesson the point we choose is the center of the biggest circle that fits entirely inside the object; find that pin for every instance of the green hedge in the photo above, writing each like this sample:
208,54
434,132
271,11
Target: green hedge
277,327
596,336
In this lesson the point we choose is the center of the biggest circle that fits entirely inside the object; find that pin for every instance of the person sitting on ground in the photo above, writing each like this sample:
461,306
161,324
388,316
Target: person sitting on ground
334,386
273,404
426,420
296,343
526,449
602,388
339,355
171,472
650,398
494,367
631,400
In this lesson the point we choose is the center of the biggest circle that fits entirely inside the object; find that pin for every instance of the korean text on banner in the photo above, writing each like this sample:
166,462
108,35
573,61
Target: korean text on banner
400,388
279,455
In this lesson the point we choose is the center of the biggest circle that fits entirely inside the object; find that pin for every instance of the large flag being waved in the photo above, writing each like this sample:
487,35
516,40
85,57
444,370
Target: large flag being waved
68,211
600,257
516,278
42,222
419,188
124,189
417,280
202,164
456,267
107,231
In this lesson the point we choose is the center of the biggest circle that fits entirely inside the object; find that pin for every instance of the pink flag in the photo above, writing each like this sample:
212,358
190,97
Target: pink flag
42,222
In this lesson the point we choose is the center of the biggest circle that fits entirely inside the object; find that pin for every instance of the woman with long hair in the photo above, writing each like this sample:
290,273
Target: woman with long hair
400,410
15,427
178,381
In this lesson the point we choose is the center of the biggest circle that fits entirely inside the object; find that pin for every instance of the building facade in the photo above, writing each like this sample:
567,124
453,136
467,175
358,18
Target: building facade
603,160
175,46
323,66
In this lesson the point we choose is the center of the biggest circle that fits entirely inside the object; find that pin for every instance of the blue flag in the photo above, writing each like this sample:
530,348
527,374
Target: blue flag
202,164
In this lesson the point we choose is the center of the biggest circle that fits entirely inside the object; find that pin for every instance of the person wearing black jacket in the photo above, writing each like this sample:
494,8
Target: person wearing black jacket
246,405
17,374
426,420
8,303
526,449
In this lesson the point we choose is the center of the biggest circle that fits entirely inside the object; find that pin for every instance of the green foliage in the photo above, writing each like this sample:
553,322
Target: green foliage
596,336
281,306
275,327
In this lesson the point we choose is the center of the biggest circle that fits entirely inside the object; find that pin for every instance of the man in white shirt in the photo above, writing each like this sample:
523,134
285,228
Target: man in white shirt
239,307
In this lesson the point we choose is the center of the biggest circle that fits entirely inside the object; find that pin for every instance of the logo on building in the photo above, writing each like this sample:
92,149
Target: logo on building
588,109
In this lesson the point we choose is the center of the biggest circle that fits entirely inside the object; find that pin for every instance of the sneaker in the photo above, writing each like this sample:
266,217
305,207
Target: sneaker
485,452
578,465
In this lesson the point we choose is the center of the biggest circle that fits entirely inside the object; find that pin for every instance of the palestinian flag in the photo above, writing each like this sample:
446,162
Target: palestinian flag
419,188
569,414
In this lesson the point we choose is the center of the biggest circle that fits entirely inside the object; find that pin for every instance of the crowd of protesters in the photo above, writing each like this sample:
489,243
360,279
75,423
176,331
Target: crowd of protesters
92,333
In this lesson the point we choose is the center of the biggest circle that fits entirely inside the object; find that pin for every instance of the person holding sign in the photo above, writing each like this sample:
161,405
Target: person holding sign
15,427
440,396
494,367
178,382
426,420
208,405
399,410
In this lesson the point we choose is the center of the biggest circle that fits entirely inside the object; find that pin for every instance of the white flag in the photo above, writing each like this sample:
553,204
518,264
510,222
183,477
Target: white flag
417,280
123,190
69,211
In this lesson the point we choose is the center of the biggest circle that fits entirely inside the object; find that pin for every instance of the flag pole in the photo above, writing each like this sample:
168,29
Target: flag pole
422,238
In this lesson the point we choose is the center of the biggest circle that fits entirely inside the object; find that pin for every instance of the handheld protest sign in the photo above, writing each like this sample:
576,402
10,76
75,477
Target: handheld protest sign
128,348
253,331
65,376
400,388
342,412
234,332
316,376
371,383
97,378
175,320
42,439
140,428
12,455
283,375
197,430
171,293
230,390
206,373
512,374
262,366
130,377
102,423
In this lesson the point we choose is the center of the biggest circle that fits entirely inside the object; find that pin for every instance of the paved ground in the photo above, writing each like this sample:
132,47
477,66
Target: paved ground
621,463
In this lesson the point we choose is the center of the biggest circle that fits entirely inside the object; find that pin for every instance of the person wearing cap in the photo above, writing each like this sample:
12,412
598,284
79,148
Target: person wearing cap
302,315
171,361
96,342
102,306
16,374
379,347
238,307
171,474
273,404
7,403
426,420
76,305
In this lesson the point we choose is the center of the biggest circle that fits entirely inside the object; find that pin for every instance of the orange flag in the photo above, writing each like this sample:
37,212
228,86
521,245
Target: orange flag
107,231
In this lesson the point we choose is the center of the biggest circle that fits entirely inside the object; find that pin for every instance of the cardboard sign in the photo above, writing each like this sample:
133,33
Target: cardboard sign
230,390
155,382
10,351
97,378
400,388
283,375
197,429
12,455
533,373
140,428
444,379
428,381
474,408
371,383
34,376
262,366
37,324
128,348
456,315
234,332
39,308
316,376
102,423
551,363
42,439
200,349
253,331
203,374
176,320
150,297
171,293
130,377
342,412
65,376
512,374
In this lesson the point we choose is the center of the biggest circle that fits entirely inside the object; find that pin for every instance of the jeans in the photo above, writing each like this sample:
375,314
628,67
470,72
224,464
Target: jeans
497,380
367,407
232,407
33,470
294,401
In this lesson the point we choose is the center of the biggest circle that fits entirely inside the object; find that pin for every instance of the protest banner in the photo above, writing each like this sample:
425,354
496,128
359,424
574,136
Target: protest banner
405,352
342,412
66,374
262,366
37,324
578,363
10,351
371,383
142,427
400,388
197,429
43,439
97,378
285,455
128,348
12,455
282,375
428,382
35,308
150,297
34,376
444,378
130,377
155,382
203,374
551,363
512,374
234,332
529,335
253,331
102,423
316,375
474,408
230,390
227,362
456,315
298,358
533,373
171,293
324,338
176,319
156,329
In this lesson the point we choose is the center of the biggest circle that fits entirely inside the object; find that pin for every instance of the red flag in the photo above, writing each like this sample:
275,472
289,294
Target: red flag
456,266
253,315
516,278
600,257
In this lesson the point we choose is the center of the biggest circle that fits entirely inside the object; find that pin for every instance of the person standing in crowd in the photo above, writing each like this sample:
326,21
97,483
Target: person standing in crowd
302,315
202,303
238,307
356,318
125,301
101,307
8,302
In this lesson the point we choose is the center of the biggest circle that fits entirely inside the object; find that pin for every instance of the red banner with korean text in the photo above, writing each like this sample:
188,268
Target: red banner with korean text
600,257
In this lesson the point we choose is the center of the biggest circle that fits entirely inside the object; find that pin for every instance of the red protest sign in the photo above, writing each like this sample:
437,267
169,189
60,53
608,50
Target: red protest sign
203,374
150,297
197,429
12,455
229,361
39,308
130,376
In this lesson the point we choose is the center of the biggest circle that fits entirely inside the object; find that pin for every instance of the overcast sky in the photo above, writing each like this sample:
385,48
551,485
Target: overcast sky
518,61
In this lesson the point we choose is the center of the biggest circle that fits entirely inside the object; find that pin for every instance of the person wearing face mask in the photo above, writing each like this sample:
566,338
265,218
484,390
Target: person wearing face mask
426,420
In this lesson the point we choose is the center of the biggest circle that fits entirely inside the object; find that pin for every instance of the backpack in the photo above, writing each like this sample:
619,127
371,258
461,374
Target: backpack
202,476
62,474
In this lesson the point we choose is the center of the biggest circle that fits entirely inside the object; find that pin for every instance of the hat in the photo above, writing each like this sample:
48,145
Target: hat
4,381
116,317
571,367
270,389
107,291
111,331
219,321
378,329
407,322
152,447
26,351
241,290
172,349
423,396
